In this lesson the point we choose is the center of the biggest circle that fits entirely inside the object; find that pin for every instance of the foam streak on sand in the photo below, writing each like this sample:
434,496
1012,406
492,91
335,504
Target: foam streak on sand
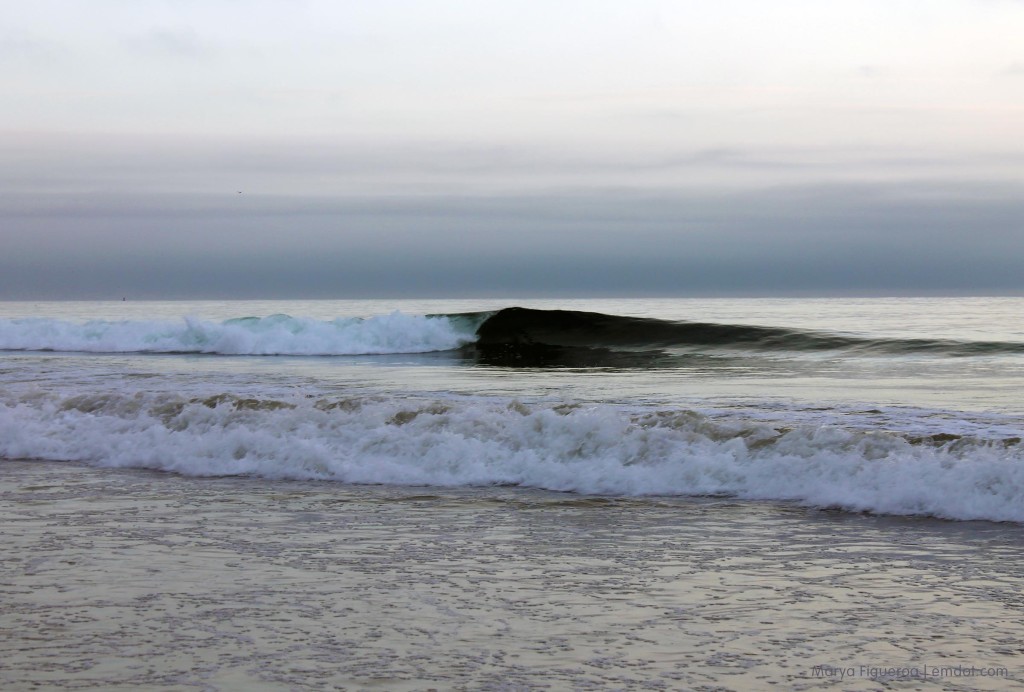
597,449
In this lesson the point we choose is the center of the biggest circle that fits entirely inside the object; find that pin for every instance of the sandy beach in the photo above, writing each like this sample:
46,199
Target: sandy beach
127,579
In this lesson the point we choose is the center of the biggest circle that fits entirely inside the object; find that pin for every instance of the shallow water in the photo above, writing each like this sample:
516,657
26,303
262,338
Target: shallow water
125,579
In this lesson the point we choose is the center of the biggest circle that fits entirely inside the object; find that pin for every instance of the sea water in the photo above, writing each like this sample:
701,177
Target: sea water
512,494
893,406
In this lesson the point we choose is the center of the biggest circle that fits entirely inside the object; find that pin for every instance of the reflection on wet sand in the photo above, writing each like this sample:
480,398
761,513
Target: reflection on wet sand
131,579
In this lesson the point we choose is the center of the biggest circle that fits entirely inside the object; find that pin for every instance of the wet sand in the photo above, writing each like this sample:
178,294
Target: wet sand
133,580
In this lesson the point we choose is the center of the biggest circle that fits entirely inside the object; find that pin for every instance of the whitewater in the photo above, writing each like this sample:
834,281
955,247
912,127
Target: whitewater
256,336
902,408
595,450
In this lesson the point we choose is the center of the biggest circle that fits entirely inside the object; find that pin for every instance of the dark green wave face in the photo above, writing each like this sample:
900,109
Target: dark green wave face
538,338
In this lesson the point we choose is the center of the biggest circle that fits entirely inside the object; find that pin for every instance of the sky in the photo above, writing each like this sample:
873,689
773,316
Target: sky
333,149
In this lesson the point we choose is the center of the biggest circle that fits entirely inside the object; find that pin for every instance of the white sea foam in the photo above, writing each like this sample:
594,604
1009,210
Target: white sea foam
600,449
274,335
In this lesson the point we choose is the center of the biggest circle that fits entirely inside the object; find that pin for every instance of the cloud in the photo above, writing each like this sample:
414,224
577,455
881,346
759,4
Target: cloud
30,50
321,168
171,43
873,71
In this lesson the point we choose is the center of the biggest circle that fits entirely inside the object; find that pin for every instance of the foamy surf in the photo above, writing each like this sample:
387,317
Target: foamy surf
595,449
273,335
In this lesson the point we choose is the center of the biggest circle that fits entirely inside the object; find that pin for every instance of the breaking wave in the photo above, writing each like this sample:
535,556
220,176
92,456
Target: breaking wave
257,336
511,336
523,329
594,449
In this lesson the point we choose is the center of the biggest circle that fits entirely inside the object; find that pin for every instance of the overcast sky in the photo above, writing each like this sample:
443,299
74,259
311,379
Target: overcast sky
252,148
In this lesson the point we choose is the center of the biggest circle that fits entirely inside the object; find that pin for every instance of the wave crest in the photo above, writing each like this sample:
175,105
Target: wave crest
273,335
539,332
509,337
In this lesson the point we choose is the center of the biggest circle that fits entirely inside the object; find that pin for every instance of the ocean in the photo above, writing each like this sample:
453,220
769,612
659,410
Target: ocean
507,494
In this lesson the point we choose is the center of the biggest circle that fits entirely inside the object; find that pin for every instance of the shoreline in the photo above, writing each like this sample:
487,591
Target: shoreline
134,579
